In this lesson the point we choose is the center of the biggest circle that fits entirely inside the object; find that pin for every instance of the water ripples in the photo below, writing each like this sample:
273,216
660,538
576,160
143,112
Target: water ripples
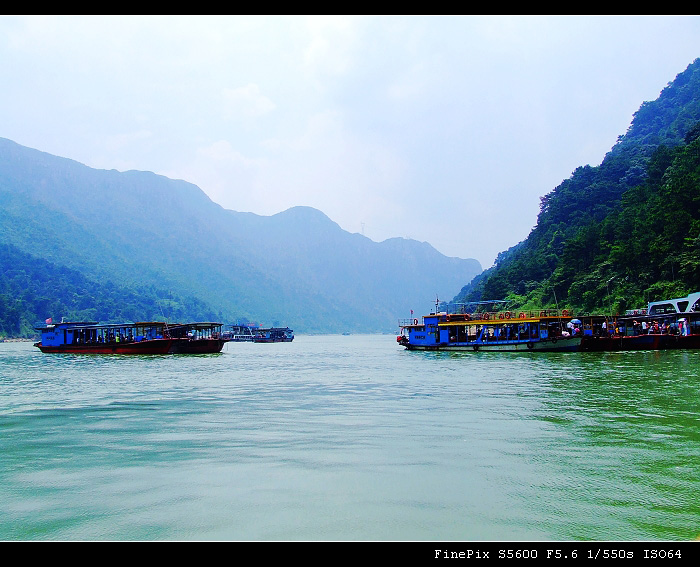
349,438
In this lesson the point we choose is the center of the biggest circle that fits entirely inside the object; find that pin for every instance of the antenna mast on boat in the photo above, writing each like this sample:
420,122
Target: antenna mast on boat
165,320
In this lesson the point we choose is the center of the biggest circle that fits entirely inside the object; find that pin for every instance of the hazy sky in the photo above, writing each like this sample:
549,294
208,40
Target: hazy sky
441,129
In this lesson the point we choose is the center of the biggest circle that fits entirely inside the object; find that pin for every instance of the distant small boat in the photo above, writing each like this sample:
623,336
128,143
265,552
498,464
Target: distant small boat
241,332
274,335
253,333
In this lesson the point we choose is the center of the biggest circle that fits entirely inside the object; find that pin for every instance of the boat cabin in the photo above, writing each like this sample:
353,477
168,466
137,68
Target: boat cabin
195,331
89,332
686,305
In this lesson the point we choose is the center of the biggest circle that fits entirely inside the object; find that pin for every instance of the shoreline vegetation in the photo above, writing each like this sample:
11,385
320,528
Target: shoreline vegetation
615,236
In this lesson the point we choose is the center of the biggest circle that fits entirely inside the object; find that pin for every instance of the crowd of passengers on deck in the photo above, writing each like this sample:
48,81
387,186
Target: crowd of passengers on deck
502,333
108,337
654,327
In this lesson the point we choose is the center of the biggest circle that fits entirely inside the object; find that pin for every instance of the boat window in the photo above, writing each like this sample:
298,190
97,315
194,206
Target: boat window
662,308
682,306
696,306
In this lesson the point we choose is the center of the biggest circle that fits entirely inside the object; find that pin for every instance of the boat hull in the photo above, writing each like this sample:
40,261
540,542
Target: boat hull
197,346
155,346
641,342
569,344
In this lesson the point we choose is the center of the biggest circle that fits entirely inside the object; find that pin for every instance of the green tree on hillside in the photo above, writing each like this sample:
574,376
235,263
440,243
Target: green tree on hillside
623,233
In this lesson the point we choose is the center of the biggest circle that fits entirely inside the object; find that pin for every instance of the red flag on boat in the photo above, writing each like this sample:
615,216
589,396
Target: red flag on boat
48,321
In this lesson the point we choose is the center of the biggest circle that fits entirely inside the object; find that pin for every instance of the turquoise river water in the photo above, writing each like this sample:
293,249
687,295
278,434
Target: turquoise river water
349,438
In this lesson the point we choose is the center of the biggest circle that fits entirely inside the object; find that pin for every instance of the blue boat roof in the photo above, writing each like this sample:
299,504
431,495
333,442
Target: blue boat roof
97,325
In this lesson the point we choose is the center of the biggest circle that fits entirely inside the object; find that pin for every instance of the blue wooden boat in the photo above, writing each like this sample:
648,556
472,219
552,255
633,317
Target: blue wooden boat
477,327
89,337
93,338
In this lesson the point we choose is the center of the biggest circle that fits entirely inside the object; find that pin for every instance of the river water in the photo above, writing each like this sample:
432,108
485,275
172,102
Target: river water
349,438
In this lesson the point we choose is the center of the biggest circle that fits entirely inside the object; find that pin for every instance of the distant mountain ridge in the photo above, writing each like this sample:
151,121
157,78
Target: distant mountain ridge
138,229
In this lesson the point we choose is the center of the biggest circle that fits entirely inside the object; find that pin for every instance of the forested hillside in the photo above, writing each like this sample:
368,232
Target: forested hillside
615,236
110,246
32,289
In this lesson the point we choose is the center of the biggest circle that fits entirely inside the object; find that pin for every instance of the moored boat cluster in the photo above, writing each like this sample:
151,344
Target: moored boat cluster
667,324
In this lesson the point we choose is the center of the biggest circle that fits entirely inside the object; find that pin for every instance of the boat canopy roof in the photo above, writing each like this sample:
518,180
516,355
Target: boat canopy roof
474,306
96,325
688,304
200,325
67,325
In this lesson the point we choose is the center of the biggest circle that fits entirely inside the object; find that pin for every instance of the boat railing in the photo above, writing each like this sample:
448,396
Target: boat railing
633,312
495,316
511,315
